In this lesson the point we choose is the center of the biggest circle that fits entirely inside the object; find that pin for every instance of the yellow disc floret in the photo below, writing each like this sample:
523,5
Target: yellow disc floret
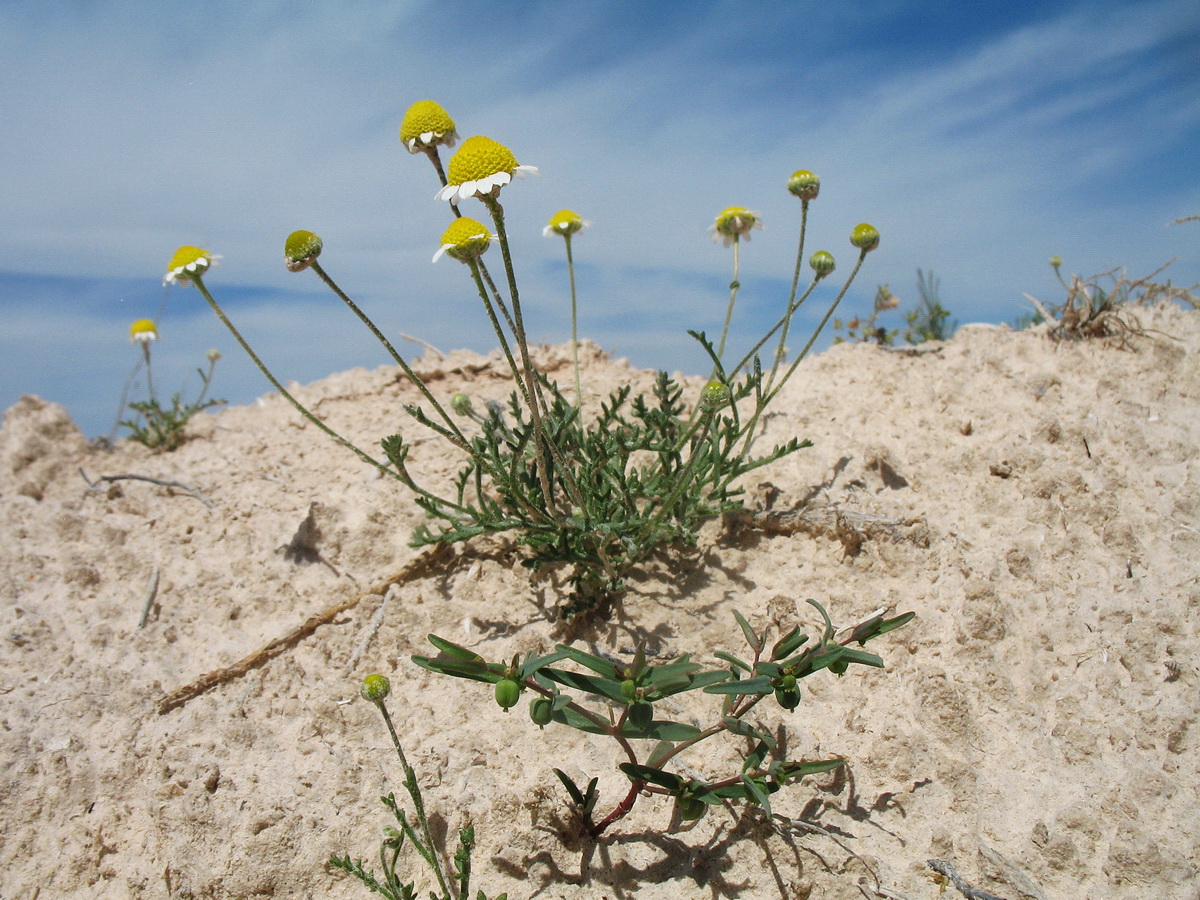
187,263
465,239
426,124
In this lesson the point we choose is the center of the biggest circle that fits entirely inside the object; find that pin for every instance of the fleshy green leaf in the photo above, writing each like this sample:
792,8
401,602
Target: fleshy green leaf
454,650
748,686
654,776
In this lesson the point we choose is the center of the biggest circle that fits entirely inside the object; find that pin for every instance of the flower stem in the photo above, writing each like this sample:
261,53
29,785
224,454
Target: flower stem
574,323
792,305
459,439
279,387
813,337
414,791
149,377
734,285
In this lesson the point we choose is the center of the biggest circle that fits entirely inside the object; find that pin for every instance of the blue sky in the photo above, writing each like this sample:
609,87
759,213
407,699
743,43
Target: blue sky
980,140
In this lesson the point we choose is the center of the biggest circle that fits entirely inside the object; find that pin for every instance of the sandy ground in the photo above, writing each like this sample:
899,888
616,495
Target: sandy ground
1037,505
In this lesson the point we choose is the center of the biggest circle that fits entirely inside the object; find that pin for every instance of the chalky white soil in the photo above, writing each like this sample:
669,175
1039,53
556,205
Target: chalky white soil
1036,504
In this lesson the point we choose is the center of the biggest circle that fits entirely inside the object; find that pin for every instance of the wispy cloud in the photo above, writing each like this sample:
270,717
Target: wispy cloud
978,147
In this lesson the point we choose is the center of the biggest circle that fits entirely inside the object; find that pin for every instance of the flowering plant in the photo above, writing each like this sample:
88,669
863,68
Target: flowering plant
156,426
595,494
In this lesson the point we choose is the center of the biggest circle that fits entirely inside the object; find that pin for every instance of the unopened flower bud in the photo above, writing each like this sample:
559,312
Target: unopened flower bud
212,355
804,184
375,688
822,263
865,237
461,404
714,396
300,249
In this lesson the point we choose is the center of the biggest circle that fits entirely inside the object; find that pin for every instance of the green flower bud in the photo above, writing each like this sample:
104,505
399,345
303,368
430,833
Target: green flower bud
804,184
641,712
300,249
375,688
629,688
1055,262
714,396
865,237
461,404
691,809
822,263
508,692
541,710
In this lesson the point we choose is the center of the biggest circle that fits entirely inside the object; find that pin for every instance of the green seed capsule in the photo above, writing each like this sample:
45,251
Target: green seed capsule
629,688
541,710
788,682
640,714
691,809
508,692
789,700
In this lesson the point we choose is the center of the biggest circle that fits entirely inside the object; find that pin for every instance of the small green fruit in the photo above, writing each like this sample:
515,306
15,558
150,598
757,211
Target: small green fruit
691,809
641,713
629,688
789,700
788,682
508,692
541,710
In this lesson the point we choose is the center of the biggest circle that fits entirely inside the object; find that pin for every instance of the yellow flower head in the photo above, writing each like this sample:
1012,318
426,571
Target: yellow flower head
733,222
143,331
425,125
479,168
465,239
566,223
187,262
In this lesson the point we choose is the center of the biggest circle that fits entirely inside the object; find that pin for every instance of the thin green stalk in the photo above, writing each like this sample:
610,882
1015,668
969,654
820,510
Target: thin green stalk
734,285
574,324
538,404
792,305
459,439
414,791
813,338
149,376
279,387
682,480
745,360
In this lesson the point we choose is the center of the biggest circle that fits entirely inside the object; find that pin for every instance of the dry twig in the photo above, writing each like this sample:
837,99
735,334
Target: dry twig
427,560
94,486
